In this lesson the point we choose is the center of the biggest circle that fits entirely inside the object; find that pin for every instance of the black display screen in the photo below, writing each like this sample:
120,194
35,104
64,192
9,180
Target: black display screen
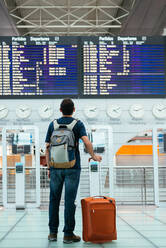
82,67
123,66
38,66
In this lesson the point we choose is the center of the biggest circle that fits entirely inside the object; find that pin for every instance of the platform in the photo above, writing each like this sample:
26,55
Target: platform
136,227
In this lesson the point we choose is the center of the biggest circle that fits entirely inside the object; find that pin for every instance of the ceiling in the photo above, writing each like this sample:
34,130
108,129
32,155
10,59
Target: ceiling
69,17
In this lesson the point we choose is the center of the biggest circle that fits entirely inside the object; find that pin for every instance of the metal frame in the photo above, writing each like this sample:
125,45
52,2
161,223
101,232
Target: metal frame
155,166
110,155
154,129
70,21
4,161
135,191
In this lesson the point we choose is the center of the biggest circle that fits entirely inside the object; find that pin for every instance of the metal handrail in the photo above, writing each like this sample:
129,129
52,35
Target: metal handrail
129,188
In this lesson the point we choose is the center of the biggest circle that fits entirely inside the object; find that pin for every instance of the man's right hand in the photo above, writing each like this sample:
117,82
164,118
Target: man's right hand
96,158
89,148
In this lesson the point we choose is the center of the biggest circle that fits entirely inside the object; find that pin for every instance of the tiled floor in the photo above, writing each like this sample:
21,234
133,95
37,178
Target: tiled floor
142,227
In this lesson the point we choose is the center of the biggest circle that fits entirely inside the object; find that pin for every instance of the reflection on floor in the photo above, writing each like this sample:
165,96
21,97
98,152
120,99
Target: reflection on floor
136,226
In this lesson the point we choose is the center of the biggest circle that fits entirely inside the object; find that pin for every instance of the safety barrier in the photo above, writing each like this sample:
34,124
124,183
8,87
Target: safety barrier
30,185
11,184
1,200
44,186
162,184
84,188
132,185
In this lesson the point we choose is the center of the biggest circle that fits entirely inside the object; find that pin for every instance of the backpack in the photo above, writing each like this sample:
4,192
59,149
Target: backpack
62,145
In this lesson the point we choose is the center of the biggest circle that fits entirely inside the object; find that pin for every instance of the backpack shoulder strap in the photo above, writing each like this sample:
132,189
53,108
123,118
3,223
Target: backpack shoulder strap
72,124
56,125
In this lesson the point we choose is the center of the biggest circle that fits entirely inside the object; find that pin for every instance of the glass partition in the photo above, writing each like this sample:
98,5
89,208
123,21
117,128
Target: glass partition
20,145
161,134
1,167
134,179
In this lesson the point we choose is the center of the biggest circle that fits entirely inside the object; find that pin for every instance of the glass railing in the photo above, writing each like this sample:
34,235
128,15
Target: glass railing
132,185
1,200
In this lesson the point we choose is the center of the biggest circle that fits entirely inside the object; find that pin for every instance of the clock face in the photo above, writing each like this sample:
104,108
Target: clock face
159,111
3,111
23,111
91,112
136,111
46,111
114,111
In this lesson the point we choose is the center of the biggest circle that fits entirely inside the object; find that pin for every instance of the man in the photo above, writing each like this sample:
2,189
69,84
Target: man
69,177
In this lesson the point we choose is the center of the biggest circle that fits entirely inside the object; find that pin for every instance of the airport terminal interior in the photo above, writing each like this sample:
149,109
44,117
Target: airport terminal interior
109,57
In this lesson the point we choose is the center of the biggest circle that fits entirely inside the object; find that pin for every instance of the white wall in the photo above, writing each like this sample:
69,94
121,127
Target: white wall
123,129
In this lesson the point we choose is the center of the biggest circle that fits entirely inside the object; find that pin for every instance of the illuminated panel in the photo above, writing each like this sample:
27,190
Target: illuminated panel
38,66
123,66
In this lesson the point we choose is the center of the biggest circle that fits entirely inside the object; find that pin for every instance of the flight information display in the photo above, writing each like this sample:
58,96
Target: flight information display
103,66
123,66
38,66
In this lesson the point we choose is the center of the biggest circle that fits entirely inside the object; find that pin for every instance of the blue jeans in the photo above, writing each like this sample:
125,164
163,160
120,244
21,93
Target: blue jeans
70,178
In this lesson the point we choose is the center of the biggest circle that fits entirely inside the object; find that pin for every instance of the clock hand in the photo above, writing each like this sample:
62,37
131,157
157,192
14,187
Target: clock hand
137,109
46,109
2,109
26,109
116,110
162,108
92,110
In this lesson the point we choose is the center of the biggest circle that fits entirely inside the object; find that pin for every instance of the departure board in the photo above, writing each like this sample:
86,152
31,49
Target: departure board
38,66
97,67
123,66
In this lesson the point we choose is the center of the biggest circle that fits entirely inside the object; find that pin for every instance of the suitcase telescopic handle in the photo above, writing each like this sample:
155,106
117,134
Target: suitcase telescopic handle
100,196
89,159
104,197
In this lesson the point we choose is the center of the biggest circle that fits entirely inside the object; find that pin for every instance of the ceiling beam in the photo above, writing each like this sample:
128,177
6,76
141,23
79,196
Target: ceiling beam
65,7
72,32
65,26
70,18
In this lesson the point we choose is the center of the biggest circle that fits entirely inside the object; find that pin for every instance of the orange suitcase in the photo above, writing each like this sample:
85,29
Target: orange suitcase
99,219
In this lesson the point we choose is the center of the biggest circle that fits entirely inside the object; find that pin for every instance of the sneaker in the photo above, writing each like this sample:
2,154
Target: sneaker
52,237
71,239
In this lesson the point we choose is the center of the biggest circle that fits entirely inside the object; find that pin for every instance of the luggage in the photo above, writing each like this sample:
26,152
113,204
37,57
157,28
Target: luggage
99,219
63,145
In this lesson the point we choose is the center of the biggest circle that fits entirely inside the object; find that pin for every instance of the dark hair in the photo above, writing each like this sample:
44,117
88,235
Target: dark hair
67,106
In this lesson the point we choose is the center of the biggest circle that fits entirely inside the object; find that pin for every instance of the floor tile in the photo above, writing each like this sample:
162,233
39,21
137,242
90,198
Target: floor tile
5,228
2,234
150,227
32,230
136,242
27,235
25,243
154,234
122,244
159,241
127,234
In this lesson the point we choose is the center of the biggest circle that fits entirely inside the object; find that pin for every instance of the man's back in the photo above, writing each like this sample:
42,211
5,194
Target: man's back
78,130
66,177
